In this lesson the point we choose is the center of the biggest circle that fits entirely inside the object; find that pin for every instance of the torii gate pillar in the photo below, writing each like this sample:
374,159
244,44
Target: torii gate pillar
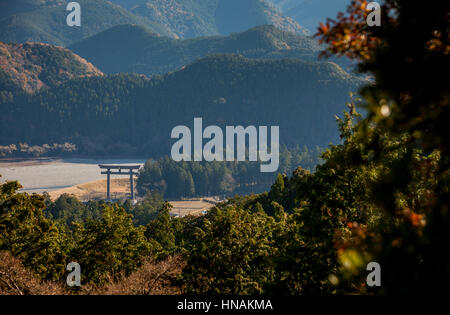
132,185
117,170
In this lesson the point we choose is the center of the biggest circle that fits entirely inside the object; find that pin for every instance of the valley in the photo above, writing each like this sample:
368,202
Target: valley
207,148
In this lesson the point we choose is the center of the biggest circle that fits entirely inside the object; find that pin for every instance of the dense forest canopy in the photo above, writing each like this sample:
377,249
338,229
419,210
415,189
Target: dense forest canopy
197,179
134,115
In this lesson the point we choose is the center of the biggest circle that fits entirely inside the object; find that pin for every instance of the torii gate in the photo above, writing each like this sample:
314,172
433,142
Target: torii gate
117,170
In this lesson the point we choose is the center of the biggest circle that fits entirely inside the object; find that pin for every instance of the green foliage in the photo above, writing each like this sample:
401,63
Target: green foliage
406,133
101,238
109,248
146,209
163,231
70,210
25,232
278,188
189,179
231,254
313,211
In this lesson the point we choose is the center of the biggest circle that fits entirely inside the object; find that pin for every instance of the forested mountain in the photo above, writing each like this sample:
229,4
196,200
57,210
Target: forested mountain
45,20
31,66
130,114
193,18
132,48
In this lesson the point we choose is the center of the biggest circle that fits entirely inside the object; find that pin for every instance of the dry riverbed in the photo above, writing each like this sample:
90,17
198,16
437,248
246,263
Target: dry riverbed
82,179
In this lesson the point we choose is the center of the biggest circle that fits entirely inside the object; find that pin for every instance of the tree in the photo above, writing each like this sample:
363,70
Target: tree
231,254
147,209
69,209
406,132
28,235
161,230
110,248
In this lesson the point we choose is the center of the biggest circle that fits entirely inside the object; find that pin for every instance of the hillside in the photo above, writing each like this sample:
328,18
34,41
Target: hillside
129,114
132,48
194,18
45,21
32,66
182,18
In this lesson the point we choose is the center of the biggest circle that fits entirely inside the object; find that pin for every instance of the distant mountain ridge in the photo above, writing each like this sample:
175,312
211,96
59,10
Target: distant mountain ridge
45,20
309,13
194,18
132,48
